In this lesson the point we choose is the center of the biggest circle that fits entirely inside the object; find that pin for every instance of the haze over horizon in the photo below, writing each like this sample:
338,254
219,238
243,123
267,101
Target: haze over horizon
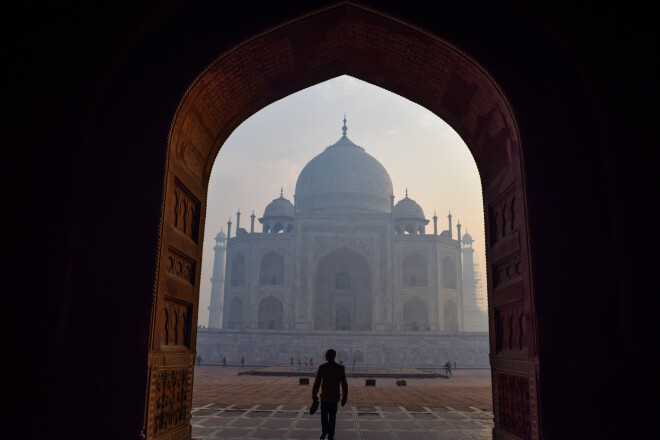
266,153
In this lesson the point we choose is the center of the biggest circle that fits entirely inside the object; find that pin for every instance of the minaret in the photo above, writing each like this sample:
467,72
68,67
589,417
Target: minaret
229,228
252,223
435,224
218,281
458,229
451,234
238,221
474,320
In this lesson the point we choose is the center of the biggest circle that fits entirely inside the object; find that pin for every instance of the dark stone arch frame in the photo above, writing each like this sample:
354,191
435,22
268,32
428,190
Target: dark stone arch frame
430,72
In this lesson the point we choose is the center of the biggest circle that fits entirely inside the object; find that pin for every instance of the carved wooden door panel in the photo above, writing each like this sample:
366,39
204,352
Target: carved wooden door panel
174,313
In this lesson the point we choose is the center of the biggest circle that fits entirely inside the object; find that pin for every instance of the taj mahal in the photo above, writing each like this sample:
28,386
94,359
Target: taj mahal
346,267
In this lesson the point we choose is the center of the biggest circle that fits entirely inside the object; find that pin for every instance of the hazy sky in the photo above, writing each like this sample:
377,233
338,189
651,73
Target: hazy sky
268,151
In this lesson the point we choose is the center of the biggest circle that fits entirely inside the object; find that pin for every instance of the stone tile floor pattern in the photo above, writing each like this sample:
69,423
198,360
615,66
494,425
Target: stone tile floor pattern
293,422
227,406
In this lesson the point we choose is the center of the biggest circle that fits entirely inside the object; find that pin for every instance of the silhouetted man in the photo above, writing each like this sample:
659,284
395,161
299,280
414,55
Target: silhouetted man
328,377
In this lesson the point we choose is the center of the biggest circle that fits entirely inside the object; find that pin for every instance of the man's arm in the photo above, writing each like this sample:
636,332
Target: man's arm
317,384
344,386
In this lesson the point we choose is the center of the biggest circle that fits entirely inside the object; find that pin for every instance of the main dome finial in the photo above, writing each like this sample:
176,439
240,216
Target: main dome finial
344,128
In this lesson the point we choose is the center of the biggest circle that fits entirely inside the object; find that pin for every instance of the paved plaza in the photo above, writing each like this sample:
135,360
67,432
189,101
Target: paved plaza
229,406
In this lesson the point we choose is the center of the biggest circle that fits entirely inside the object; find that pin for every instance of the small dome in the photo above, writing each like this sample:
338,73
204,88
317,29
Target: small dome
279,207
221,236
408,208
467,238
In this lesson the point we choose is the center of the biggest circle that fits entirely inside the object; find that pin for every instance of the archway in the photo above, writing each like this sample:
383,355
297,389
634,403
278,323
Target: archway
451,316
449,274
235,316
271,270
399,58
414,271
415,315
342,294
271,313
237,271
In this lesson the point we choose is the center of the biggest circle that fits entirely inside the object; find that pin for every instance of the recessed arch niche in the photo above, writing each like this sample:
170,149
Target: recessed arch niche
348,39
343,291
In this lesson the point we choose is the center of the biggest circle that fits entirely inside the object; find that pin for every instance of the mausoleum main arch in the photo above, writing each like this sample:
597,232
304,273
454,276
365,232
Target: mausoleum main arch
345,39
343,291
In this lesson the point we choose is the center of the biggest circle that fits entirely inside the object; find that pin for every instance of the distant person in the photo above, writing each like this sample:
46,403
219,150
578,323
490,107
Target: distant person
292,362
305,361
311,362
242,361
454,365
342,364
298,361
199,360
224,361
448,368
328,378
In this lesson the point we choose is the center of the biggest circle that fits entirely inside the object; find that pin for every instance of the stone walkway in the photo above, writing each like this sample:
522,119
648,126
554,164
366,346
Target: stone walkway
266,422
228,406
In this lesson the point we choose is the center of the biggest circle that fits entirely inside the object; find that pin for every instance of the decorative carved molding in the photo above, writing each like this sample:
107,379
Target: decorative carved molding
507,271
159,360
188,153
186,211
170,396
510,328
503,217
180,266
513,366
342,200
177,323
324,244
513,394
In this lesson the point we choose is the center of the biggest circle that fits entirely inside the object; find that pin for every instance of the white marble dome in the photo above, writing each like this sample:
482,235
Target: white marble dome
279,207
408,208
344,177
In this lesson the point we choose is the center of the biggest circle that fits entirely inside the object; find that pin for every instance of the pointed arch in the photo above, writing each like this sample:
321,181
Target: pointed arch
343,280
449,273
237,272
271,269
414,271
451,316
235,318
271,314
461,92
415,315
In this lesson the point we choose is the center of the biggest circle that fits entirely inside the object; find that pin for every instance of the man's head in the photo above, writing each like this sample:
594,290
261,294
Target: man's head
330,355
